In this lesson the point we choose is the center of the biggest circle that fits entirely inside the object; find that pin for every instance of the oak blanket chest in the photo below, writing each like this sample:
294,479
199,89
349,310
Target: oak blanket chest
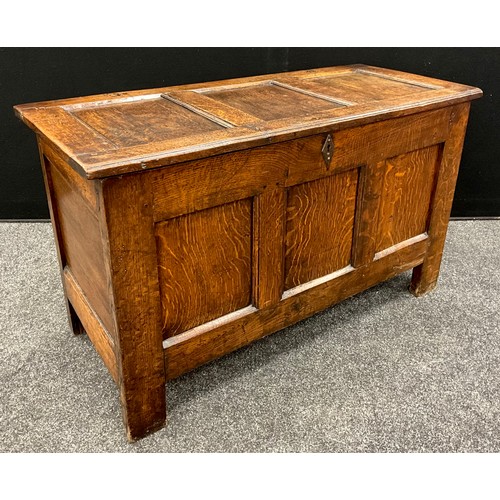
193,220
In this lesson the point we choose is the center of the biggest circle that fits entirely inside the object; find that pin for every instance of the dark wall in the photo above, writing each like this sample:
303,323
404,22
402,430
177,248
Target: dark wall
34,74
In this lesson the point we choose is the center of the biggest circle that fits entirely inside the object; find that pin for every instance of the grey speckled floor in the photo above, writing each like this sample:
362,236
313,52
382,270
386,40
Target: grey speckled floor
381,372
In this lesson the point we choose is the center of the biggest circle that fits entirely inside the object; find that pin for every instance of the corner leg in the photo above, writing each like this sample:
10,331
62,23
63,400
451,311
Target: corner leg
425,276
423,280
143,408
128,230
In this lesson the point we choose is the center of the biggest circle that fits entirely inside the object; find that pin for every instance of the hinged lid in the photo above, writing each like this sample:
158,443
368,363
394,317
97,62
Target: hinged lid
129,131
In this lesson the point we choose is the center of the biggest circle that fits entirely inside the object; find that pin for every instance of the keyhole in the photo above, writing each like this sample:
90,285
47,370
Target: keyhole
327,150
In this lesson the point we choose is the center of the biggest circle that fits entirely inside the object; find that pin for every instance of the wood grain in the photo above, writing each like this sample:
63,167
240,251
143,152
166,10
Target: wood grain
74,321
144,122
82,244
80,184
408,186
319,227
406,77
369,144
127,219
202,184
370,185
66,133
270,102
100,337
269,219
361,88
425,276
204,265
193,351
204,104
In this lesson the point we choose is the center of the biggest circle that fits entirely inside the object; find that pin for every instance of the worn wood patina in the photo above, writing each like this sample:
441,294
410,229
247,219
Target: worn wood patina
193,220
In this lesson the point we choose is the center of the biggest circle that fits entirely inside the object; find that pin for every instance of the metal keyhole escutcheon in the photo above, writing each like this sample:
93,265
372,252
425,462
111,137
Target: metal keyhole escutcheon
327,150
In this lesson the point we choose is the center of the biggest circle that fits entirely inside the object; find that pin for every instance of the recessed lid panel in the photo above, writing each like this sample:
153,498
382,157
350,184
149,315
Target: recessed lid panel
363,87
141,122
270,101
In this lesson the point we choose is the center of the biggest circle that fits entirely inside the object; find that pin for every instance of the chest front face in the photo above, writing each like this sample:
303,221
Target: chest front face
201,218
276,226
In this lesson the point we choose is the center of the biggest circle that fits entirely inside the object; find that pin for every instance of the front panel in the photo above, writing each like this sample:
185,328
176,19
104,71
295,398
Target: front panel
253,234
319,227
204,265
408,184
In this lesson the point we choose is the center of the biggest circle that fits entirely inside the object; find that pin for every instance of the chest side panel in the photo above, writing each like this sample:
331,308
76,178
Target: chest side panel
75,204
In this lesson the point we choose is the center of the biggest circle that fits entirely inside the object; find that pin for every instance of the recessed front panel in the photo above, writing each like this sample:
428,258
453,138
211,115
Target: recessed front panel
406,196
319,227
204,265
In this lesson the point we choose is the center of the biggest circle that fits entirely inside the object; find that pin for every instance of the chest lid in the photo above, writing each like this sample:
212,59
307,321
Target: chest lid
123,132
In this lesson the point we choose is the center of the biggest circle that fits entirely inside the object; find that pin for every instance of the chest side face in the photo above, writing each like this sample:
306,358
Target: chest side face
131,131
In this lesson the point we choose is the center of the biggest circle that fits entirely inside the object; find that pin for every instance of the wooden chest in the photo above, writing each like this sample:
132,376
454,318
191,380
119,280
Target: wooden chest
193,220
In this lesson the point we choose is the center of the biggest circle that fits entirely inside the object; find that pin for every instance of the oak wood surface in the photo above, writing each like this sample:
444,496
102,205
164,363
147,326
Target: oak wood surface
85,188
74,321
202,103
127,219
105,135
100,337
365,235
319,226
81,242
204,264
187,352
202,184
269,220
192,220
369,144
142,122
271,102
361,87
425,276
408,186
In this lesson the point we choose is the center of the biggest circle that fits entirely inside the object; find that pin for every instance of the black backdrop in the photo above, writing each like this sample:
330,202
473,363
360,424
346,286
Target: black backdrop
35,74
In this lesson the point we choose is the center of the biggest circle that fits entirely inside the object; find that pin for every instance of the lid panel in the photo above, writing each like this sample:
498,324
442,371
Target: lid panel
360,87
140,122
269,101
